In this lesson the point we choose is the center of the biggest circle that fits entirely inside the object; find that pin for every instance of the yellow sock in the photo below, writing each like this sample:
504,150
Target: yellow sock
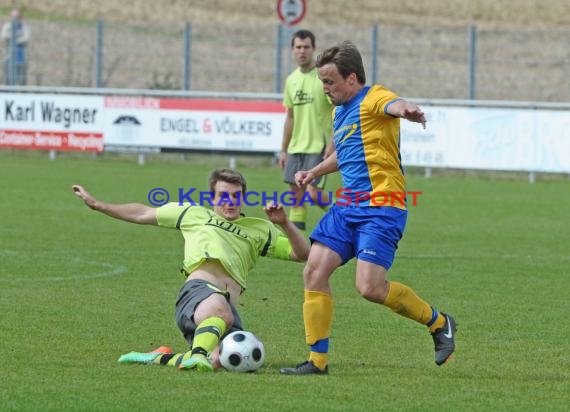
170,359
208,334
438,323
206,338
317,316
298,215
320,360
404,301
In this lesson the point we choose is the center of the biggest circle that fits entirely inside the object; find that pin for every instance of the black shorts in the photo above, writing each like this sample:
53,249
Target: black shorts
192,293
302,161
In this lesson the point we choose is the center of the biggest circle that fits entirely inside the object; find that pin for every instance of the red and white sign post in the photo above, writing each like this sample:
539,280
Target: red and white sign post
291,12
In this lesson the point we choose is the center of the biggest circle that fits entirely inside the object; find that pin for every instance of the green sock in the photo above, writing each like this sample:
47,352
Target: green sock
206,338
298,216
169,359
208,334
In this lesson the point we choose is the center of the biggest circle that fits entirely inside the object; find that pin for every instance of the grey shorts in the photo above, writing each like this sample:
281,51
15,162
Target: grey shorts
192,293
302,161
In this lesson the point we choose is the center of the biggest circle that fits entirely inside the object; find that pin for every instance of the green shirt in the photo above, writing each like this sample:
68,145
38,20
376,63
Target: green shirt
312,112
236,244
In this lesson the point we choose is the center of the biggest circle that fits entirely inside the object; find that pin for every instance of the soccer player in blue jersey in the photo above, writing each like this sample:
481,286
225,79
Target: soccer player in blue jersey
221,247
366,133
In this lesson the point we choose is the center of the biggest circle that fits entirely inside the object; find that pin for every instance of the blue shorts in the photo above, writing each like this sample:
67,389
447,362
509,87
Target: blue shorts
369,233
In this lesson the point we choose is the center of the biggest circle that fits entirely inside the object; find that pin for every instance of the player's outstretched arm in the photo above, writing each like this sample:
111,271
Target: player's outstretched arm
129,212
299,244
407,110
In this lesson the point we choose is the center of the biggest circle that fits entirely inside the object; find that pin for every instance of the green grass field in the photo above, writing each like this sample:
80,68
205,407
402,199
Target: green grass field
78,289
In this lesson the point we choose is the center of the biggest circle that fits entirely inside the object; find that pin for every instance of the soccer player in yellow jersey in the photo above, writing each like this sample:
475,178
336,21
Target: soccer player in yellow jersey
220,247
307,130
366,135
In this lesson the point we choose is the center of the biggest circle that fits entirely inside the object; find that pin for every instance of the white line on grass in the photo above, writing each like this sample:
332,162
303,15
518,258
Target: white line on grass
113,270
109,270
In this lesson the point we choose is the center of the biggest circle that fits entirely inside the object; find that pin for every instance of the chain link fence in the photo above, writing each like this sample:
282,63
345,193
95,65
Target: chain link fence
418,61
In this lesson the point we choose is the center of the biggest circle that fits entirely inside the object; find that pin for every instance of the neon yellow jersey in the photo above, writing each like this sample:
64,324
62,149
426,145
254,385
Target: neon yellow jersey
235,244
312,112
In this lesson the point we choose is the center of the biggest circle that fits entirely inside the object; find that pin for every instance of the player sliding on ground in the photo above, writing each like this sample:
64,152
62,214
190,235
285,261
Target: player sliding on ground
221,247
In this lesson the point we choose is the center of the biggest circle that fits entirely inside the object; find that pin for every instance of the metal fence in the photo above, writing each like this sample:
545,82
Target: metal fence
414,61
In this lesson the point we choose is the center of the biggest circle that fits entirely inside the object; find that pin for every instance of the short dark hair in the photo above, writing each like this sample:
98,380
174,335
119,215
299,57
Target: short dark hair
303,34
228,176
346,58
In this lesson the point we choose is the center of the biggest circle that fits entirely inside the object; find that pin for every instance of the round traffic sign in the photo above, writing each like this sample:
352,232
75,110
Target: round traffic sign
291,12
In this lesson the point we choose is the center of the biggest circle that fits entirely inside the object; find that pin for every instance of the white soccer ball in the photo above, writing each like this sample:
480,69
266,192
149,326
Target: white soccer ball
241,352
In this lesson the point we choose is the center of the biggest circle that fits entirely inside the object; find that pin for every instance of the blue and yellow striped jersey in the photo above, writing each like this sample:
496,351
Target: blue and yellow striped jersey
367,142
